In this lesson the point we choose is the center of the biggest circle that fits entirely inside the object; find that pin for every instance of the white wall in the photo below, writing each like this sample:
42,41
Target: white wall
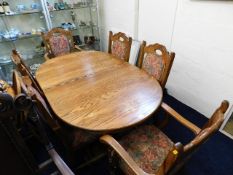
199,32
116,15
156,20
202,75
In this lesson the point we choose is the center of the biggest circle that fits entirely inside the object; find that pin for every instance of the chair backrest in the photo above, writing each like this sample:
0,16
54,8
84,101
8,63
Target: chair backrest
25,103
18,61
120,45
156,61
41,103
58,42
24,71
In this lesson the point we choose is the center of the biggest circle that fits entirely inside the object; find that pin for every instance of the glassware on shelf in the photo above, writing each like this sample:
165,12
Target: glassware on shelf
1,9
12,34
68,26
6,8
50,6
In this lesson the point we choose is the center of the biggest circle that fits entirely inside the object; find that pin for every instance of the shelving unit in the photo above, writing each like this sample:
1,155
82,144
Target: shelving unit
29,23
21,37
21,13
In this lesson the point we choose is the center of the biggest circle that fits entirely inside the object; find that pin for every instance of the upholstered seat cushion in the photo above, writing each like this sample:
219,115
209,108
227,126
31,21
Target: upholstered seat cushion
148,147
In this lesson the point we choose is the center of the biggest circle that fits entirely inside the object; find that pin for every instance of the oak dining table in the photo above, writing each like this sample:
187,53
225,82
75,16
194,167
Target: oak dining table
98,92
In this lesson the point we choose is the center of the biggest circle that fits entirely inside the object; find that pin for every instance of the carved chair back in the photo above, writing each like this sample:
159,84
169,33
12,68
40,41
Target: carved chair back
18,61
58,42
120,45
72,138
24,71
156,60
41,103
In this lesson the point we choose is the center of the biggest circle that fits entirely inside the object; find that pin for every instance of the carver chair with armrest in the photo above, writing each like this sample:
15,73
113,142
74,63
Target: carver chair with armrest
156,61
147,150
58,42
72,139
119,45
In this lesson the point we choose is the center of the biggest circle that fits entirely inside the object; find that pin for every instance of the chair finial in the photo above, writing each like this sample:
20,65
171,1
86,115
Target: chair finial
224,106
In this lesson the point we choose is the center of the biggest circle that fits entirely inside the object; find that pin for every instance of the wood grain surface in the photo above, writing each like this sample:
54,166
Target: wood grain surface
98,92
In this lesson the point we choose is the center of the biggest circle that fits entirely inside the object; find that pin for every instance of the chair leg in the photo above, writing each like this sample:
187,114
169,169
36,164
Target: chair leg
112,158
164,122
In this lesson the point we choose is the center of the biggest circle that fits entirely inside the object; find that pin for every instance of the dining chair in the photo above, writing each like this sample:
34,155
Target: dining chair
25,72
119,45
147,150
72,138
156,61
58,42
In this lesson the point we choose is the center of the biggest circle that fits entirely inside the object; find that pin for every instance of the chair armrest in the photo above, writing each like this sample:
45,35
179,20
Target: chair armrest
78,48
109,140
181,119
61,165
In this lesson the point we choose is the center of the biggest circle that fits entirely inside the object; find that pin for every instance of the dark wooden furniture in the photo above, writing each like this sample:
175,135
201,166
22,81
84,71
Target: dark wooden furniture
58,42
119,45
156,60
97,92
146,150
16,158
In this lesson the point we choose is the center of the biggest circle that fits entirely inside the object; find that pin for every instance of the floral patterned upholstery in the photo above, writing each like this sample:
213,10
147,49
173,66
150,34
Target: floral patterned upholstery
119,49
59,45
148,147
154,65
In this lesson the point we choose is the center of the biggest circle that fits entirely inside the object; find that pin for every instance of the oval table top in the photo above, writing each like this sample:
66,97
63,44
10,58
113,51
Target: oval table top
95,91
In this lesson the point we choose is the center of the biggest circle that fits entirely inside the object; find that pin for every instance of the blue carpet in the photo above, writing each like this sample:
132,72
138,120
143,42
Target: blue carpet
215,157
